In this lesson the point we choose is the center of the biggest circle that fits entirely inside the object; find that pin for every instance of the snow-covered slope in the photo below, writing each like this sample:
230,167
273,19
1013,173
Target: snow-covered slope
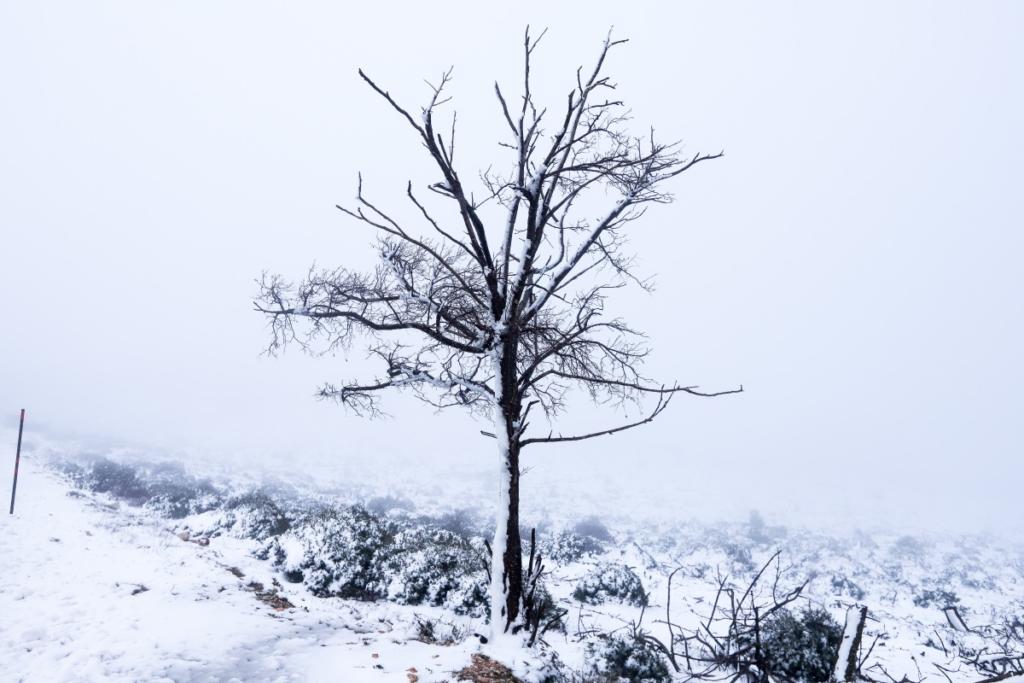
97,586
95,591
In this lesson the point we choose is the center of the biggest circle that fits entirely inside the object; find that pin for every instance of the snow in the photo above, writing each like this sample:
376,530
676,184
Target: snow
73,608
498,591
849,635
533,185
74,563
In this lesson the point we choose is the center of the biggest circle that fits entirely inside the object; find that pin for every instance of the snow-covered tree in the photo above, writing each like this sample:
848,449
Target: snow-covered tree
496,302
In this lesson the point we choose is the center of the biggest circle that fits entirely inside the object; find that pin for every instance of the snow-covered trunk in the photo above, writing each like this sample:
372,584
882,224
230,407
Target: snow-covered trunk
845,670
506,557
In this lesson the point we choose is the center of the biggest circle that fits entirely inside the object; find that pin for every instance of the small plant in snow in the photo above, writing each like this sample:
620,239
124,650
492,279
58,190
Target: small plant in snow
438,631
611,583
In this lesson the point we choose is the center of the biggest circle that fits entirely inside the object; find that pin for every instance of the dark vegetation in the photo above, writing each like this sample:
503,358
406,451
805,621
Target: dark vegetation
611,583
377,551
384,550
163,487
801,646
616,657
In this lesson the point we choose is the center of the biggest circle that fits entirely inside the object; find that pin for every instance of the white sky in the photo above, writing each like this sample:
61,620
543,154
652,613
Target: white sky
854,260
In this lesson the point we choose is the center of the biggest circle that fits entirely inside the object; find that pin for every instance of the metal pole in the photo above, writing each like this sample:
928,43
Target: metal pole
17,459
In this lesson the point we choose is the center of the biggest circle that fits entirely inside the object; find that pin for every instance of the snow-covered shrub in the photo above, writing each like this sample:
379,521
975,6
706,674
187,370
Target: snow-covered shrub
437,567
563,547
353,553
119,480
615,658
174,493
801,647
337,552
255,515
936,597
164,488
611,583
73,471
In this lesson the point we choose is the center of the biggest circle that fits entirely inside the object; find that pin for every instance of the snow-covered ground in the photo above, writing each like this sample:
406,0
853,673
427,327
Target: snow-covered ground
95,589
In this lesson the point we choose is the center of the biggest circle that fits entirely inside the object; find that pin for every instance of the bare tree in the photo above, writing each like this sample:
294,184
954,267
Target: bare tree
497,304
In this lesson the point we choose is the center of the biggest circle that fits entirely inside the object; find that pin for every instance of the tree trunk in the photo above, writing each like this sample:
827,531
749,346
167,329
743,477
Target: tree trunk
845,670
513,555
506,588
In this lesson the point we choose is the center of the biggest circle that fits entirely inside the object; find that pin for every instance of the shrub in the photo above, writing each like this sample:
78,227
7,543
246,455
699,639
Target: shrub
353,553
336,552
801,647
255,515
615,658
176,497
164,487
611,582
117,479
438,631
936,597
438,567
564,547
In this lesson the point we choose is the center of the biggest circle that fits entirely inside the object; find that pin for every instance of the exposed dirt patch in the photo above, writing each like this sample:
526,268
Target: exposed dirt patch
269,596
483,669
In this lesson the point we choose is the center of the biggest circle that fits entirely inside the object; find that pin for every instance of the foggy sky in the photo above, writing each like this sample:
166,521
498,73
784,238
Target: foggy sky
854,260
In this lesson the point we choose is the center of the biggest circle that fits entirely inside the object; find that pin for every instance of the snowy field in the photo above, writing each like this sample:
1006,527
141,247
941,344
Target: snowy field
98,592
135,583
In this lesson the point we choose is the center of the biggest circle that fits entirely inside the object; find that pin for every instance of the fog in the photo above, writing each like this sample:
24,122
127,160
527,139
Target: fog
854,261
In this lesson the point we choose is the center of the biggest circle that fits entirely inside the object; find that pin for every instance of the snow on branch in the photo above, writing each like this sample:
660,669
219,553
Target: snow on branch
521,274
